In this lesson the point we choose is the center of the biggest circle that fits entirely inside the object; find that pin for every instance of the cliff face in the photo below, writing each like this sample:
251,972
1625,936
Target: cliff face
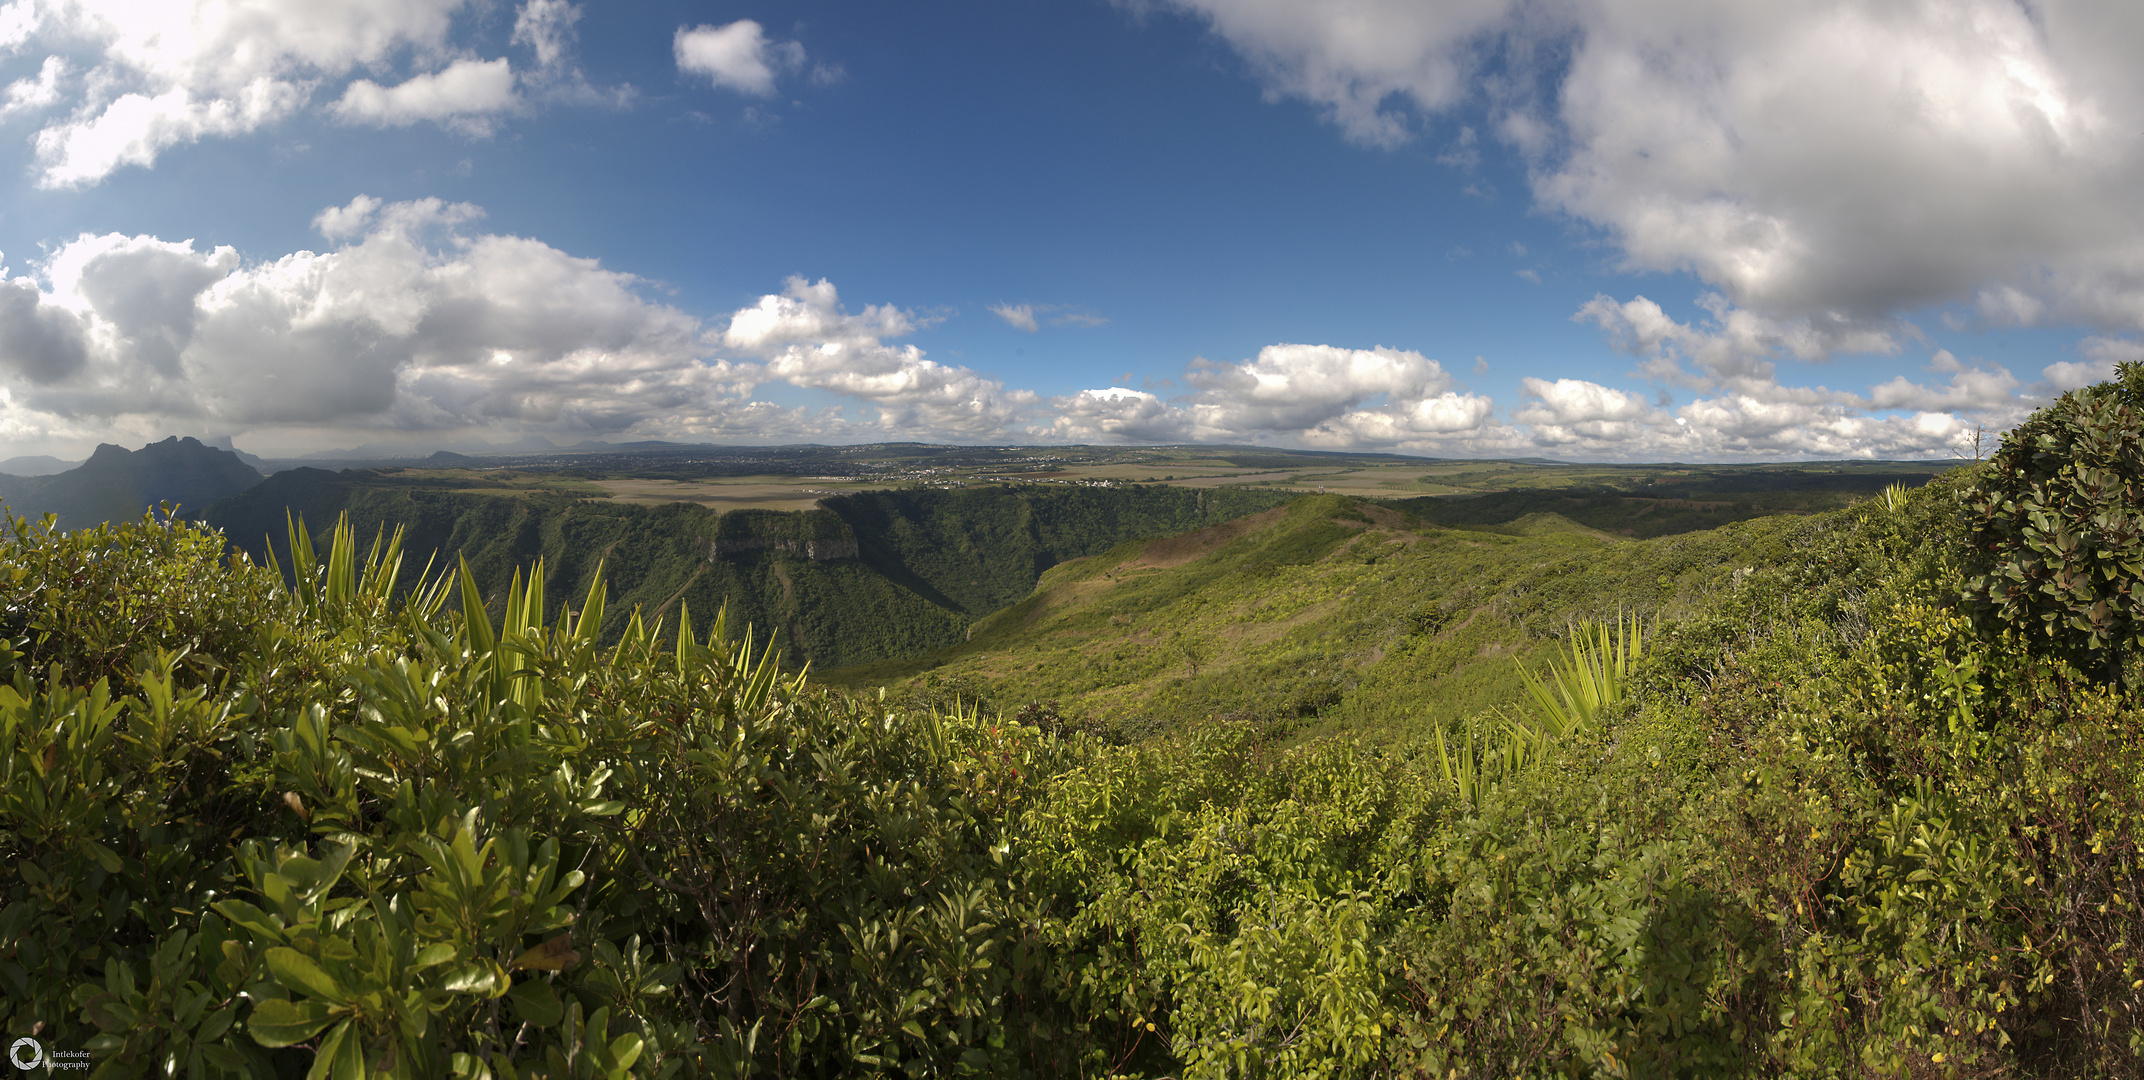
817,535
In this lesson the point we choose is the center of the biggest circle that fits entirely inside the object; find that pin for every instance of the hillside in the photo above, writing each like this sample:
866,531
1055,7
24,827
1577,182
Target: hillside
1865,800
117,484
873,576
1336,612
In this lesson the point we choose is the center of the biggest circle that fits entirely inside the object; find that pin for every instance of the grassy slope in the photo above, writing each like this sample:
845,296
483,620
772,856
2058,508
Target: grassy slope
1334,610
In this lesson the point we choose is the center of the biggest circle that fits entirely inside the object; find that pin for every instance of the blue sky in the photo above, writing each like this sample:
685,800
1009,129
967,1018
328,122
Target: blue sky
1587,229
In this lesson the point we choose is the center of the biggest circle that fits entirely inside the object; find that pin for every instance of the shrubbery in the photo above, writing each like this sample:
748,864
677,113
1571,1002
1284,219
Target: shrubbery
2057,547
1834,827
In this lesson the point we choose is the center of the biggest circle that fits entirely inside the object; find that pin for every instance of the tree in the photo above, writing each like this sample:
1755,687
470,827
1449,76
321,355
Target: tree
2057,529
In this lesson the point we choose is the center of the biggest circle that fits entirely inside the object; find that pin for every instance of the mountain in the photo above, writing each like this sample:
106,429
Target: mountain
116,484
223,442
36,465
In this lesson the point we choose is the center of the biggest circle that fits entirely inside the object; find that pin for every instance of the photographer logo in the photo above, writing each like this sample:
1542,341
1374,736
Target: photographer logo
26,1054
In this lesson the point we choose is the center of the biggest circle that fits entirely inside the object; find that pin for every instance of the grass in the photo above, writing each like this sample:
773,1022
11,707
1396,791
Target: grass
1331,614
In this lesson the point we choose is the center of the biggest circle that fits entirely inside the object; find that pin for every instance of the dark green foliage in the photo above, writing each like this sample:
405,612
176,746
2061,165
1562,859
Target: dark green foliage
874,576
96,601
775,572
983,549
2057,548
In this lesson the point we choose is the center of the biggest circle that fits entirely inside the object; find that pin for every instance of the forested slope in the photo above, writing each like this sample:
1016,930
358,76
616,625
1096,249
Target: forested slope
873,576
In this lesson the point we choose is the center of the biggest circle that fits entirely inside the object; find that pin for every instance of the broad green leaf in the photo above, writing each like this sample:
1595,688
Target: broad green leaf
535,1002
276,1022
296,971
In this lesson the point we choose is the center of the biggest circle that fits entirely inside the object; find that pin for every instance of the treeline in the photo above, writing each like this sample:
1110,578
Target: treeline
872,576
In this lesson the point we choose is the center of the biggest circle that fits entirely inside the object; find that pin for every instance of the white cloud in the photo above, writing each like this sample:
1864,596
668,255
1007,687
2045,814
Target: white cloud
136,79
546,28
337,222
1117,414
18,20
810,313
1017,316
1971,390
1837,162
737,55
463,94
416,324
166,74
811,342
1735,347
1351,57
1311,395
34,95
135,128
2101,354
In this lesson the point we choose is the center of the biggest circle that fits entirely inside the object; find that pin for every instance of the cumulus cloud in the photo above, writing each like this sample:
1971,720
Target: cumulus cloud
156,76
415,322
463,95
34,95
737,55
1353,58
1735,347
18,18
546,28
2101,354
1837,162
1310,395
1970,390
1116,414
809,340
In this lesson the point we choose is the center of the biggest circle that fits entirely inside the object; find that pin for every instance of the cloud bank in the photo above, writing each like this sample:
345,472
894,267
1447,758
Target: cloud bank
1825,169
124,82
415,320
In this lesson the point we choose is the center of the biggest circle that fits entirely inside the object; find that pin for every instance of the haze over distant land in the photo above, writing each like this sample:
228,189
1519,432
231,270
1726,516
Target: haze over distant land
117,484
1568,229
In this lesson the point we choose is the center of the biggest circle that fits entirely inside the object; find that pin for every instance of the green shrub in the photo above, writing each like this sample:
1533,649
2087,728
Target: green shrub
2057,546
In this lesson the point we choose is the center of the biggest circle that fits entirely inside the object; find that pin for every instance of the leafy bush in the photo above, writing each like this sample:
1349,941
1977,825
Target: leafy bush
2057,547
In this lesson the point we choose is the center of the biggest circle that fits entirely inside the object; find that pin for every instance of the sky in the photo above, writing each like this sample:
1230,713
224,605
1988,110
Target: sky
1588,230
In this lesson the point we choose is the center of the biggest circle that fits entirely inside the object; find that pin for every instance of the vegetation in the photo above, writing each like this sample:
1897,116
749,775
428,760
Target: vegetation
2058,534
874,576
1331,615
1830,814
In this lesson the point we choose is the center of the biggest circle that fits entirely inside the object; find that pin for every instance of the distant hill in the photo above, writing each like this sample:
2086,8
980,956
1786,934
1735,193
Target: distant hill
36,465
117,484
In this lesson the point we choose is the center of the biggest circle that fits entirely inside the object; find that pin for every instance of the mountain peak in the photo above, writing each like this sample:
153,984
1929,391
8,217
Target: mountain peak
117,484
